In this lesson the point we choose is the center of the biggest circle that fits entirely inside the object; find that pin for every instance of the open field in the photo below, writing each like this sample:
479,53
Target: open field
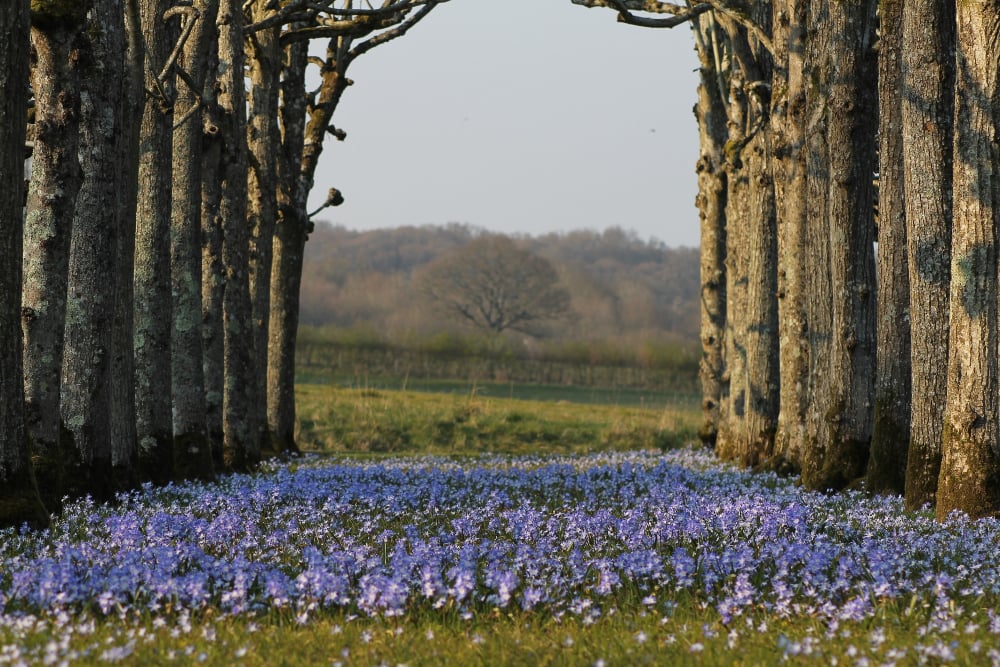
479,420
513,540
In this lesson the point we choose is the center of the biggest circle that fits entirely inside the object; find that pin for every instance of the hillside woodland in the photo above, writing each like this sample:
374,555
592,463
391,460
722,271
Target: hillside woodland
622,289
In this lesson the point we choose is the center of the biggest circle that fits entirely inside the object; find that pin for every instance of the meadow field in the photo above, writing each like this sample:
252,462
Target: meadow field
480,530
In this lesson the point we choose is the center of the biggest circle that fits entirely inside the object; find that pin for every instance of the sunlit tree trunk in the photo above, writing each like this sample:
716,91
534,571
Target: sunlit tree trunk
970,464
86,371
732,408
788,118
19,501
55,181
264,141
711,202
818,286
154,430
761,324
192,451
891,429
851,113
289,246
928,119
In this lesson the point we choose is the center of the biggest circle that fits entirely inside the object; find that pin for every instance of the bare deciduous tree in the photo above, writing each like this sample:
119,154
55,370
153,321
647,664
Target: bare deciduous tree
494,285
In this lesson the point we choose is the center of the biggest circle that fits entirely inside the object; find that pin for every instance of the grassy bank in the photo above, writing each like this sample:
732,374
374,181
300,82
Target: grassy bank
483,419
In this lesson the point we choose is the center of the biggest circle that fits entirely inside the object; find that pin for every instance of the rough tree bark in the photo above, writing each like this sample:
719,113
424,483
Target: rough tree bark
55,181
852,161
241,422
891,429
264,140
19,501
788,116
152,257
90,307
124,452
212,274
732,406
192,451
970,463
760,333
292,230
818,285
711,203
928,119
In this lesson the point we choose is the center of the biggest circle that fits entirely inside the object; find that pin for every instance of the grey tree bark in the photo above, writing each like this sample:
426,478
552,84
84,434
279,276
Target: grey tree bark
711,203
19,500
970,463
928,120
153,306
886,471
760,334
732,407
90,309
789,121
55,181
289,246
212,274
264,141
124,451
242,423
192,451
852,161
818,283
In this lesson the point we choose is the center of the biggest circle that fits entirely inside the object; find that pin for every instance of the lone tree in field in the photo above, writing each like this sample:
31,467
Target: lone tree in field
495,285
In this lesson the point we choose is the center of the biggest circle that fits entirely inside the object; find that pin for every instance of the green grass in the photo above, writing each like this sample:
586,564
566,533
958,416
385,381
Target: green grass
690,635
644,398
382,421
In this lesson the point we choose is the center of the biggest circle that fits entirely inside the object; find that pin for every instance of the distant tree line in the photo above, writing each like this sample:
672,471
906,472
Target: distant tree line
622,290
150,276
821,353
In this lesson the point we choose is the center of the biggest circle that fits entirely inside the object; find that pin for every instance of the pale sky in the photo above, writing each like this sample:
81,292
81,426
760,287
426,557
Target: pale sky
526,116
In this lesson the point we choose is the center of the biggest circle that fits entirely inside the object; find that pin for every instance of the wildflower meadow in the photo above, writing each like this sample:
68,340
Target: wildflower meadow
612,558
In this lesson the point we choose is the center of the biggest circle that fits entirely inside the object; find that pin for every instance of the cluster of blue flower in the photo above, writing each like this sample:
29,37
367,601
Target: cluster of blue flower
573,535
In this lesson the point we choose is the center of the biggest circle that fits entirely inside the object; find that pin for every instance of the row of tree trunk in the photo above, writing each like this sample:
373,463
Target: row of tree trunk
849,194
150,279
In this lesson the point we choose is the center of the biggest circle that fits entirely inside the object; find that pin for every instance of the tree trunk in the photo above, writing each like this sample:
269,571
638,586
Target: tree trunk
851,138
928,119
891,429
19,501
789,118
761,323
213,277
264,142
818,286
732,408
124,452
192,451
55,181
711,202
86,371
970,464
152,258
289,246
241,421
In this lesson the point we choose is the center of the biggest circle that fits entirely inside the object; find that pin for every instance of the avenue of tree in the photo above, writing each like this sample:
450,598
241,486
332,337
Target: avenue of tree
150,274
150,270
827,126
